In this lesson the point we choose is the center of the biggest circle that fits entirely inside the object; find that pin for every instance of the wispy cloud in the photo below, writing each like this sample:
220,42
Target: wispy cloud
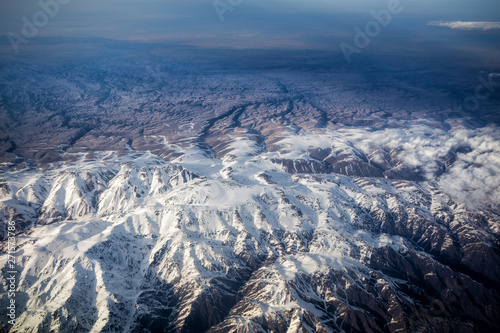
462,25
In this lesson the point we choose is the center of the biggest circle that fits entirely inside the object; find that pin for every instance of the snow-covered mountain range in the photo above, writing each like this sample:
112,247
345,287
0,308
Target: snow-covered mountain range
330,231
163,188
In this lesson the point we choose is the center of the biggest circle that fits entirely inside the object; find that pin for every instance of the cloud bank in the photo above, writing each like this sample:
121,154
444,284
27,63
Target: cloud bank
472,177
461,25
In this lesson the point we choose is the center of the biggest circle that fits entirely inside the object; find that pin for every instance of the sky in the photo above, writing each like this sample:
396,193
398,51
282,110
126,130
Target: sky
289,23
465,29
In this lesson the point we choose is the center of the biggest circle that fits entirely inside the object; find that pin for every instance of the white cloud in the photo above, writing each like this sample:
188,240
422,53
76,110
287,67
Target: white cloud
475,176
472,179
461,25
